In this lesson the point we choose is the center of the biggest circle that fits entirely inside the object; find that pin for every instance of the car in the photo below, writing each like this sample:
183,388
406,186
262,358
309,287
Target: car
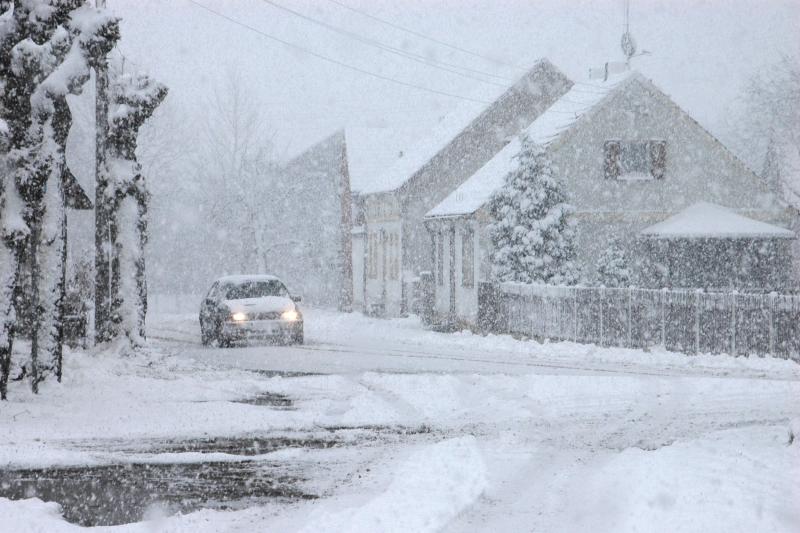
250,307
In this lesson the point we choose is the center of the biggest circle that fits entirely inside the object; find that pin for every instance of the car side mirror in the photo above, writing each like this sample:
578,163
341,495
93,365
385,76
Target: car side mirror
297,299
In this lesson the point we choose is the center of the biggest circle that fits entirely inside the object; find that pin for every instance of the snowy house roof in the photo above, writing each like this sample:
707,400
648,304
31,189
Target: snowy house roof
705,220
438,138
546,129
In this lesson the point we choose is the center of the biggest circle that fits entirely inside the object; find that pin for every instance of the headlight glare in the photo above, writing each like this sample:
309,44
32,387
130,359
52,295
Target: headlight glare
290,315
239,317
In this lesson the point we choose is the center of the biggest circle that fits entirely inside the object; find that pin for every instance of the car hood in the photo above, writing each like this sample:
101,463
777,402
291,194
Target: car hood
266,304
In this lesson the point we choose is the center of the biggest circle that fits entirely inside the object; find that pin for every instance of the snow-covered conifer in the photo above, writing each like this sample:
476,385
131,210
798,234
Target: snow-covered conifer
612,267
532,233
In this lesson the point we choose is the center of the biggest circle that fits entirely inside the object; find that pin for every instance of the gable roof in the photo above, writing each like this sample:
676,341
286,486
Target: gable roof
369,149
705,220
448,128
559,118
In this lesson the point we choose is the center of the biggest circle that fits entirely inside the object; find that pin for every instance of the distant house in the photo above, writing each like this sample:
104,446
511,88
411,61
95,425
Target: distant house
392,246
313,211
629,158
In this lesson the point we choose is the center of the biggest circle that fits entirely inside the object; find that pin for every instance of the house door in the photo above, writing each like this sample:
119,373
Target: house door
452,271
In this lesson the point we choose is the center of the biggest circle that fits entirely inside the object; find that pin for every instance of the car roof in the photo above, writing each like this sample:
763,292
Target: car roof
244,278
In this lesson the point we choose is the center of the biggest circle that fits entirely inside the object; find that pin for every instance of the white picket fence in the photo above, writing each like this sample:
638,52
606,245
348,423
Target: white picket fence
680,320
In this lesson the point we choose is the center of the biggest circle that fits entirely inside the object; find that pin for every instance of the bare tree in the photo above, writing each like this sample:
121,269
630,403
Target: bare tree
767,130
238,173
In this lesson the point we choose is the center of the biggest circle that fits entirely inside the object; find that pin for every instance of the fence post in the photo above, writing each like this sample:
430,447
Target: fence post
664,317
697,321
600,292
733,322
630,311
575,312
771,304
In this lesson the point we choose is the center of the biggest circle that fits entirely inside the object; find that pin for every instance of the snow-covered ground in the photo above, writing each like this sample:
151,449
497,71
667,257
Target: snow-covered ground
436,432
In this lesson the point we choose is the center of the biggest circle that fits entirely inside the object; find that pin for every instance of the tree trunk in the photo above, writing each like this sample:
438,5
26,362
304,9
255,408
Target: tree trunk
9,261
141,277
33,250
102,237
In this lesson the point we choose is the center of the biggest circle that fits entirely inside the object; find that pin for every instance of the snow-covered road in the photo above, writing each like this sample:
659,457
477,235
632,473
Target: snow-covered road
344,344
444,432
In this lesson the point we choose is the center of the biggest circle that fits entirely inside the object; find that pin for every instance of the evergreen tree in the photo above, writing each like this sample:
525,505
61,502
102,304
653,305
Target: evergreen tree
612,268
532,233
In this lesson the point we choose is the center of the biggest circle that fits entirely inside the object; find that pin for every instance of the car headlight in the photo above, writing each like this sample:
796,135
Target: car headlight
239,317
290,315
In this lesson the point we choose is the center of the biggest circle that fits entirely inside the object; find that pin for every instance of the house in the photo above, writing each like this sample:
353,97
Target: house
316,199
392,244
313,203
629,158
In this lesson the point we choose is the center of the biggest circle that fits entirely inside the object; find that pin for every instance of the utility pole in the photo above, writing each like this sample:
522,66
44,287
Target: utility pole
102,241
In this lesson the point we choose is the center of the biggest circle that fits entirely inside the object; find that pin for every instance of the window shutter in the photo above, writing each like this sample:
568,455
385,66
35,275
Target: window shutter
612,159
658,159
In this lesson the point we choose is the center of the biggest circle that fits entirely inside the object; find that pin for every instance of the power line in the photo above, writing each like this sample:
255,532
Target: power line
336,61
427,37
435,63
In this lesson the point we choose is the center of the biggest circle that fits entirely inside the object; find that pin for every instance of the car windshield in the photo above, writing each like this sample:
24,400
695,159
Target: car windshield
254,289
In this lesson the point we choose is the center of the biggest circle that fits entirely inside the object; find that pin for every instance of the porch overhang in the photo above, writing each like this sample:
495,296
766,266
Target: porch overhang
704,221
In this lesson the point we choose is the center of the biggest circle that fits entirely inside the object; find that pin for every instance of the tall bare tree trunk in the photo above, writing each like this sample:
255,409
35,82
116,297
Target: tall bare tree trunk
102,219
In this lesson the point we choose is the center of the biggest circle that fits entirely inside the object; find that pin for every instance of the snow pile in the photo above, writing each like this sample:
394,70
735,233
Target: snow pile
736,480
427,490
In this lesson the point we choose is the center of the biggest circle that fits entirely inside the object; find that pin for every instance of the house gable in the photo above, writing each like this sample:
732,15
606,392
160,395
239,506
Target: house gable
576,129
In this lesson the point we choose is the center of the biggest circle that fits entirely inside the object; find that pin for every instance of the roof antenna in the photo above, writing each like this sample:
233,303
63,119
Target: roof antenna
627,43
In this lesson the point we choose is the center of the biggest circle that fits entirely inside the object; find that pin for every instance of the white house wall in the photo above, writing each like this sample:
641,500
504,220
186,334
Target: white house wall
359,272
466,300
383,231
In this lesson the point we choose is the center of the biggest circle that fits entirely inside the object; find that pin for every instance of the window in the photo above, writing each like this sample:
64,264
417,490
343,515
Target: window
635,160
254,289
393,264
440,258
467,258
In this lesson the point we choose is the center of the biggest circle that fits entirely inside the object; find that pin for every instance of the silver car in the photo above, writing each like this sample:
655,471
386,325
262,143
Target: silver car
250,307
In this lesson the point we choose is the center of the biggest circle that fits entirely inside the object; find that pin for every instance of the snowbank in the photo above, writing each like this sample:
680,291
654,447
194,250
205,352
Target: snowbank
426,491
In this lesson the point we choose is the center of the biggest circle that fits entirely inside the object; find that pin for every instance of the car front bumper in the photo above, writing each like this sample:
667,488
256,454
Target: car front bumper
261,329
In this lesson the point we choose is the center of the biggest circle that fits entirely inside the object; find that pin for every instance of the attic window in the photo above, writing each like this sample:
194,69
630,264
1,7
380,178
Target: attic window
635,160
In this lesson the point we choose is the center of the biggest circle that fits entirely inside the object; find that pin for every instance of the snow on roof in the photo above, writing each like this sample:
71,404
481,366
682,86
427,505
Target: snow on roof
547,128
448,127
370,151
707,220
244,278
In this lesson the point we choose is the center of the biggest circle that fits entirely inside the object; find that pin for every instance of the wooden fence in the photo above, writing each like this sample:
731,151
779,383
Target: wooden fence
679,320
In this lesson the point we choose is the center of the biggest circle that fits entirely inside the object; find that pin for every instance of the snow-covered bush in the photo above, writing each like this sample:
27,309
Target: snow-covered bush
532,234
612,267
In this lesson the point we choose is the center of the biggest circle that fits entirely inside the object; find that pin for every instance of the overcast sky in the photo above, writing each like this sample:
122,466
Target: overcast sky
701,51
